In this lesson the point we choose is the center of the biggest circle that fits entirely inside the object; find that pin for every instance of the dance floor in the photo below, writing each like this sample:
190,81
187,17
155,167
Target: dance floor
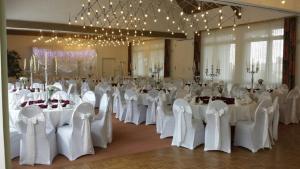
139,147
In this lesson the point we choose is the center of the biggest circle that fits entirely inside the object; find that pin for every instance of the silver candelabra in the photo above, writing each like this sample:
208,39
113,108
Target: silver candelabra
252,70
213,73
156,71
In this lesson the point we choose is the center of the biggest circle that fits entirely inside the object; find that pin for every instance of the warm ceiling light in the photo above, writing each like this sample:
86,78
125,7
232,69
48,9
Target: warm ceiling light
283,2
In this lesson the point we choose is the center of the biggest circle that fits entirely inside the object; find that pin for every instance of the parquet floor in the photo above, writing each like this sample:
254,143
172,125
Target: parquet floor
139,147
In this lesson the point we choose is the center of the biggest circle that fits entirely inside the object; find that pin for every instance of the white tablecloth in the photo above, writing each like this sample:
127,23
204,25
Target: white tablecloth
55,117
237,112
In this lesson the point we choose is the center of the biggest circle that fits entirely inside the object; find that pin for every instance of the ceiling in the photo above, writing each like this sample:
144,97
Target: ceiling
58,11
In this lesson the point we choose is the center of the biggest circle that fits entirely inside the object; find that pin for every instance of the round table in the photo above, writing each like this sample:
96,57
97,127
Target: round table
55,116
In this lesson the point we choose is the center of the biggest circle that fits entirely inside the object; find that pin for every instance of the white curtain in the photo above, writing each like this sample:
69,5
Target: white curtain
235,51
70,62
219,52
147,56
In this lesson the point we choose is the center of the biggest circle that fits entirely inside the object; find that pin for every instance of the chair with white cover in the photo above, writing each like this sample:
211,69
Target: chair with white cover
58,85
263,96
15,138
75,140
207,92
253,135
152,108
217,130
60,95
100,90
133,112
38,143
188,131
84,88
10,86
273,127
165,117
101,126
75,98
289,108
181,93
89,97
118,106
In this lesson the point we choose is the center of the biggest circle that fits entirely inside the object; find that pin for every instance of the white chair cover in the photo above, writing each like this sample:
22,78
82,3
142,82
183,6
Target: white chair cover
75,140
181,93
288,106
102,125
89,97
84,88
10,86
152,108
118,106
133,113
60,95
275,119
15,138
217,130
264,96
58,85
38,144
100,89
207,92
188,132
254,135
165,118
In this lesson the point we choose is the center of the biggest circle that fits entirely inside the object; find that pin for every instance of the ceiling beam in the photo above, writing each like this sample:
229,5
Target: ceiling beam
28,27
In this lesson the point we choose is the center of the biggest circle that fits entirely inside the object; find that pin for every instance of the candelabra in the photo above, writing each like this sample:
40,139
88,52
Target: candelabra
213,73
156,71
252,71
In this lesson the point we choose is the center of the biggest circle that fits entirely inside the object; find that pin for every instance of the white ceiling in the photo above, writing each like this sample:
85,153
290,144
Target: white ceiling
58,11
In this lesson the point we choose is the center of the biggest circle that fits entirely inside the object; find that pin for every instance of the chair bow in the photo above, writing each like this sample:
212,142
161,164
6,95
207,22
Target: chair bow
85,131
30,136
154,103
217,116
180,126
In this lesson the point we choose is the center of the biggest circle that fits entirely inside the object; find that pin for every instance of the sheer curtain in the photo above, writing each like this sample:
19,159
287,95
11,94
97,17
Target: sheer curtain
70,62
219,52
148,56
235,51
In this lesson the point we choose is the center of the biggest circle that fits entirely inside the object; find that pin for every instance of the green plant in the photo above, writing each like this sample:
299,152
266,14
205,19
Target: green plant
13,59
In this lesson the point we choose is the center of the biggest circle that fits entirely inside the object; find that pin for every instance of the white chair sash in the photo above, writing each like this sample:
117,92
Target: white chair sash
266,134
30,136
217,115
154,103
85,132
180,126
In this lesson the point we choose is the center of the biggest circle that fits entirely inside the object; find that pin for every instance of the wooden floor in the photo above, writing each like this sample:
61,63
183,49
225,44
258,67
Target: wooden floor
132,154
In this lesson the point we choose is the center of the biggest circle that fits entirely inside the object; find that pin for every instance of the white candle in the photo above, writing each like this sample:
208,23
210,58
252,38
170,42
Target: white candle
56,65
31,64
24,64
46,58
34,63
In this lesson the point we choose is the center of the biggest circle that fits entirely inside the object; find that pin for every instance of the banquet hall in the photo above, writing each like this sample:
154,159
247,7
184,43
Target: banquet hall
143,84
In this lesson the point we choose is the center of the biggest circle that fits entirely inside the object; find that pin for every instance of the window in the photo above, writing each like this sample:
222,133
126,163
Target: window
219,52
147,57
235,51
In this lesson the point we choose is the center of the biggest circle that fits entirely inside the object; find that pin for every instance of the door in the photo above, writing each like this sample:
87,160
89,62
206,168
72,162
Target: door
108,67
